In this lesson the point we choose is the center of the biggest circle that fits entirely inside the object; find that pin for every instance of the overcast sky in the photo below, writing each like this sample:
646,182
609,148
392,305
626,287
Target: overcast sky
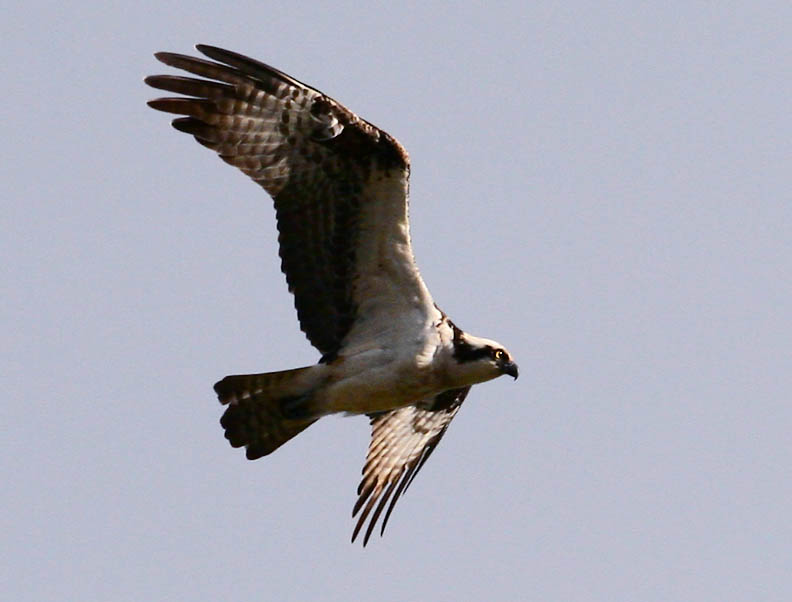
603,187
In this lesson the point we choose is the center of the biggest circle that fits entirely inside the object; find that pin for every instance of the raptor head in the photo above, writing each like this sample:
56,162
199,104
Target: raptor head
480,359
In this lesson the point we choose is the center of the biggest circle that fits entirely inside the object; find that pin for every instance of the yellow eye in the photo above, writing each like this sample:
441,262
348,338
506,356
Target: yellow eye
499,354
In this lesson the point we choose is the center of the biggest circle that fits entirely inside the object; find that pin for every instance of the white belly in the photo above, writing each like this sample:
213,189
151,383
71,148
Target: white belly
377,380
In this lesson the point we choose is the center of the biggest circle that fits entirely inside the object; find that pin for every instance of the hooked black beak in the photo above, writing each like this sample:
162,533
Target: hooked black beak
510,368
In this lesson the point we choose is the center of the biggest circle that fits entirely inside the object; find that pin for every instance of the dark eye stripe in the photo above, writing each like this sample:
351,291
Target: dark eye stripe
464,352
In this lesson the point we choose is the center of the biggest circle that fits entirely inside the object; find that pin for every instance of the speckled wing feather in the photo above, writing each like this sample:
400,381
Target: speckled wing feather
335,178
401,442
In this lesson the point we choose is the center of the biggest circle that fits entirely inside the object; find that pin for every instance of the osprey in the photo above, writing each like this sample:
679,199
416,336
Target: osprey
340,187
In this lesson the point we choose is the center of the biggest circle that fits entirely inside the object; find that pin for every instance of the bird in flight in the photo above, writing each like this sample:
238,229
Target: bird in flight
340,187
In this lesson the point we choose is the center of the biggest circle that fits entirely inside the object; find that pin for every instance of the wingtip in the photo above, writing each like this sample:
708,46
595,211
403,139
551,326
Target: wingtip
355,533
215,52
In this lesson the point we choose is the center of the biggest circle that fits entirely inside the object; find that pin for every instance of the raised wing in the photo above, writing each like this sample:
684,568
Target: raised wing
401,442
340,185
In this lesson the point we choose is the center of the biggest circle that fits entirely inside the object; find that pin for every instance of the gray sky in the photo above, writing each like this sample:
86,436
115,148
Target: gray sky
603,187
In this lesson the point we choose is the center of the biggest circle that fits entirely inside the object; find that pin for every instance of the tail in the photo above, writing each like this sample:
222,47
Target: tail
266,410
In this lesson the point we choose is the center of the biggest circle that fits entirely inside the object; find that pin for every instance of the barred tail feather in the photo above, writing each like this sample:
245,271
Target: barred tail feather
265,410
